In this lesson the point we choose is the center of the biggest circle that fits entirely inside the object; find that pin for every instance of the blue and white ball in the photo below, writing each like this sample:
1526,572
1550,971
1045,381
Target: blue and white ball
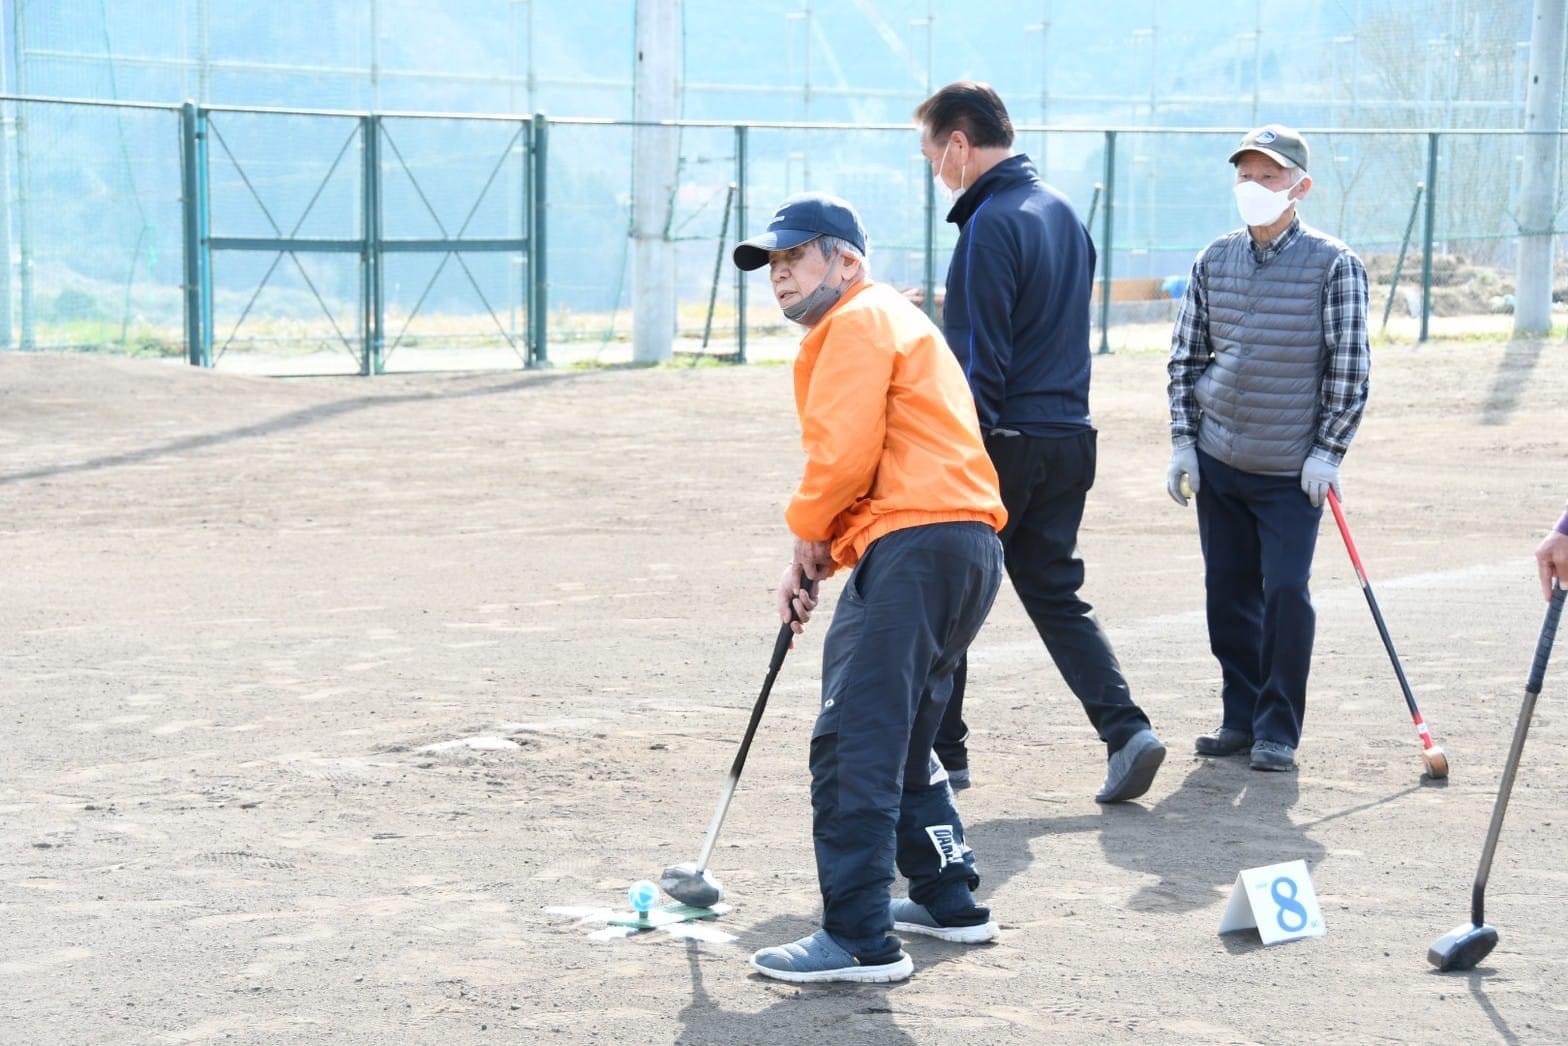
642,895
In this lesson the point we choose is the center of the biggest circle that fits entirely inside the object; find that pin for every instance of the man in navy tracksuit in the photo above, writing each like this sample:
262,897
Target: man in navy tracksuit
1017,317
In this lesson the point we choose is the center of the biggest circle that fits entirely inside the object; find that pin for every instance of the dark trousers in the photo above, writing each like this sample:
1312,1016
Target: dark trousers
1044,485
1258,535
907,613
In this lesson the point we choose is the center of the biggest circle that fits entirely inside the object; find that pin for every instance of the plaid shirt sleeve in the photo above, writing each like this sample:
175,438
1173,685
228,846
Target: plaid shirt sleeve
1345,378
1190,354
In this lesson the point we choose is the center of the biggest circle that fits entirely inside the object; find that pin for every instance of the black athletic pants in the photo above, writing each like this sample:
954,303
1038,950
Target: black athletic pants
1044,485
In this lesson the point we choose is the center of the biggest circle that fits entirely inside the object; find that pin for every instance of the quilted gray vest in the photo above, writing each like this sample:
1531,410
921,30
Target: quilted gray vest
1260,393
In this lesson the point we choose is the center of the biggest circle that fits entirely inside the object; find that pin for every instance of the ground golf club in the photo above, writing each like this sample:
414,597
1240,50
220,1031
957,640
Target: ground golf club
1431,754
692,883
1468,943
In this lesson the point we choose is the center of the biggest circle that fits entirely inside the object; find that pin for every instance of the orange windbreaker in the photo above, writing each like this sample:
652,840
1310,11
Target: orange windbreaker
889,428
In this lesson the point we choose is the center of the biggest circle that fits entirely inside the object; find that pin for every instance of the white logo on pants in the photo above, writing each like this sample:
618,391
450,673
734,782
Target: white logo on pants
948,848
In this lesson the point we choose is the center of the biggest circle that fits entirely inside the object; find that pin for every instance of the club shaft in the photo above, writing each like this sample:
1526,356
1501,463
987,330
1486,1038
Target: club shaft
1350,542
1532,690
1377,618
1500,808
725,795
781,647
1393,655
727,792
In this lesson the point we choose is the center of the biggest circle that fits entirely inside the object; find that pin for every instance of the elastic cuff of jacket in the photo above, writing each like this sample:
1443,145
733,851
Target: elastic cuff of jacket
1562,525
1324,454
1183,442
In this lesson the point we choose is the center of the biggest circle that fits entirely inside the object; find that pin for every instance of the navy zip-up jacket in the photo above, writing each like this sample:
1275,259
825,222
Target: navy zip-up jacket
1017,308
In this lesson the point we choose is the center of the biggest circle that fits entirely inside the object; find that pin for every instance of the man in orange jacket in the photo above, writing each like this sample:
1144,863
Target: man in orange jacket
897,485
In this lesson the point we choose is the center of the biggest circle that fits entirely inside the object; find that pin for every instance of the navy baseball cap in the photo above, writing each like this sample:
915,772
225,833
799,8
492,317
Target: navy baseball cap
801,219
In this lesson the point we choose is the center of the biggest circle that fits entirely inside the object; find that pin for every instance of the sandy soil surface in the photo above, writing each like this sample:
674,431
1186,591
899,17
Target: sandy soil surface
236,609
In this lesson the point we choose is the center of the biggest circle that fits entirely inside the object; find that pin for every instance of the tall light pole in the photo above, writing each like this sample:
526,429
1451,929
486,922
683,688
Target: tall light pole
1255,35
375,55
802,14
1043,27
928,255
655,97
1257,56
1154,59
926,22
5,227
1355,68
1148,33
516,218
1538,176
1333,103
203,51
24,267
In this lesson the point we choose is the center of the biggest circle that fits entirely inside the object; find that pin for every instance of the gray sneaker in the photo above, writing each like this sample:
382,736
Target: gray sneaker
1132,768
909,917
1223,741
958,779
1272,755
818,958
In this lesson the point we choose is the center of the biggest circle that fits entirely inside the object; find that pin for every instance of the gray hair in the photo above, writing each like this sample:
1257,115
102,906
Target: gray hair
832,246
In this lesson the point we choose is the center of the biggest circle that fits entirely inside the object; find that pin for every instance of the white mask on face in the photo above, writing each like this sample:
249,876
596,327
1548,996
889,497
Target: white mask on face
942,190
1259,206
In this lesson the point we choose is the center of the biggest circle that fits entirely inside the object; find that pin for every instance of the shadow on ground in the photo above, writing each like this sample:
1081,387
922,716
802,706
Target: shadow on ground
1222,818
797,1013
283,423
1513,374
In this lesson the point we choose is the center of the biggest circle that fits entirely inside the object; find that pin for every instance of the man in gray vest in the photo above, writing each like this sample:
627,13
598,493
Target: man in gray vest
1268,381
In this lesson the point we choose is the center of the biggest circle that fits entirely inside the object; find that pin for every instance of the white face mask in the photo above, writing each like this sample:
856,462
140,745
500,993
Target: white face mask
1259,206
942,190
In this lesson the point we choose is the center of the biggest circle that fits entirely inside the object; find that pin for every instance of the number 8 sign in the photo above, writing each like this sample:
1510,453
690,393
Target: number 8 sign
1278,900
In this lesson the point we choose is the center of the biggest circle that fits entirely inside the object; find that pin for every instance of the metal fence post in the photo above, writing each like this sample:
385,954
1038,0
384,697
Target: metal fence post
204,232
1105,242
930,271
190,228
371,256
526,230
1399,263
538,272
718,265
5,234
24,236
740,234
1429,233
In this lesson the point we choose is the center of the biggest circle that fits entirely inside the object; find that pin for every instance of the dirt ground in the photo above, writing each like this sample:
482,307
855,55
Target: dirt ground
236,608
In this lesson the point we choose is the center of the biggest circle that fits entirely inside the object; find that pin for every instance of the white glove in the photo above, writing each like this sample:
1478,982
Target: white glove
1184,462
1317,476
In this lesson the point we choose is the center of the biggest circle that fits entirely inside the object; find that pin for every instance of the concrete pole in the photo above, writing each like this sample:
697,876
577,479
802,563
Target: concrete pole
1257,57
375,56
24,241
656,96
1154,61
1355,68
533,104
203,52
1538,179
5,224
1045,87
